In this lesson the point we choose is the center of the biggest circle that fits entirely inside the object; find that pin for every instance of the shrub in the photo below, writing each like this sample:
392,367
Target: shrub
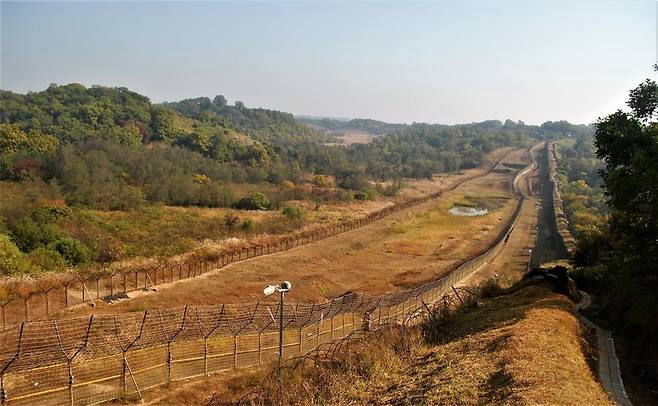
390,190
48,214
352,179
12,260
361,195
491,288
230,220
247,225
72,250
344,195
293,212
29,235
47,259
254,201
370,191
322,181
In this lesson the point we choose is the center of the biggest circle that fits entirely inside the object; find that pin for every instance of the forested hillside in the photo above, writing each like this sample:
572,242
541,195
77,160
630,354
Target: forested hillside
71,157
56,133
581,187
264,125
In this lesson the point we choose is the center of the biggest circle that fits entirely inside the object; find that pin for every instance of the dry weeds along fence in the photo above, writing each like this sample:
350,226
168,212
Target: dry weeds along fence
28,299
435,316
91,360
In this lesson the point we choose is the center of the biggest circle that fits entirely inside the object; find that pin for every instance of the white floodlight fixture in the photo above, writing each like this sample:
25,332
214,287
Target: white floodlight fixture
285,286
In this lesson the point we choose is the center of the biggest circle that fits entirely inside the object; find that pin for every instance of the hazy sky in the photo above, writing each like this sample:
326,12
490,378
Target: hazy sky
444,61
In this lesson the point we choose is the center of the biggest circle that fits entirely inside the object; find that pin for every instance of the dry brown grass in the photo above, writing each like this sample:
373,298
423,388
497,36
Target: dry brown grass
355,137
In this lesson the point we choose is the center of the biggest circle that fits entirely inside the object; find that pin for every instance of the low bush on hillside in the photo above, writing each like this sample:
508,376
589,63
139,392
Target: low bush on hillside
294,213
253,201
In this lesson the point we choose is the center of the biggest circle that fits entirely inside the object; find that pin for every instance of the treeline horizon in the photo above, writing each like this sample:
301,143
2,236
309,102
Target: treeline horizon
57,133
111,149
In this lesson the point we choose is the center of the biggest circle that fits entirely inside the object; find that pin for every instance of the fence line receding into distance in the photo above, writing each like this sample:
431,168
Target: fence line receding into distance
567,242
90,360
37,299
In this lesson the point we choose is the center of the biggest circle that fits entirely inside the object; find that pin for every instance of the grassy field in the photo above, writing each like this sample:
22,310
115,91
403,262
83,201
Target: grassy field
355,137
523,347
157,230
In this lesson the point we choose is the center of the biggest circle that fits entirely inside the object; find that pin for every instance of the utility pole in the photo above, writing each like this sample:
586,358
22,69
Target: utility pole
282,289
283,294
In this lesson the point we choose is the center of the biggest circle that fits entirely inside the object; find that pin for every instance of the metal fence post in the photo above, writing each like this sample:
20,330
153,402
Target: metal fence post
235,351
3,392
4,314
2,389
319,330
71,380
332,328
301,347
260,354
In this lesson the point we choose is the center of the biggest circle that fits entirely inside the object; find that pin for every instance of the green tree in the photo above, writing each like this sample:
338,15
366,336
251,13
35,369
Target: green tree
219,101
47,260
12,260
162,124
621,260
73,251
628,145
253,201
29,235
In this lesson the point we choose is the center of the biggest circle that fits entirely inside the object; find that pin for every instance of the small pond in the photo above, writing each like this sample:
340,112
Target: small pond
467,211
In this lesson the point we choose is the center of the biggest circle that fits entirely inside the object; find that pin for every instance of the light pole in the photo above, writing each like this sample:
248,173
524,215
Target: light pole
529,259
284,287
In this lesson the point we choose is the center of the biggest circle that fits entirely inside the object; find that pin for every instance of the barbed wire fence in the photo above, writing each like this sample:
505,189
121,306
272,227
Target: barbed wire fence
567,242
29,299
90,360
326,354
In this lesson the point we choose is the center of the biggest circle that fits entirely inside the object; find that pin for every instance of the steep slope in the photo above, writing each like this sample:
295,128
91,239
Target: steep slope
523,348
